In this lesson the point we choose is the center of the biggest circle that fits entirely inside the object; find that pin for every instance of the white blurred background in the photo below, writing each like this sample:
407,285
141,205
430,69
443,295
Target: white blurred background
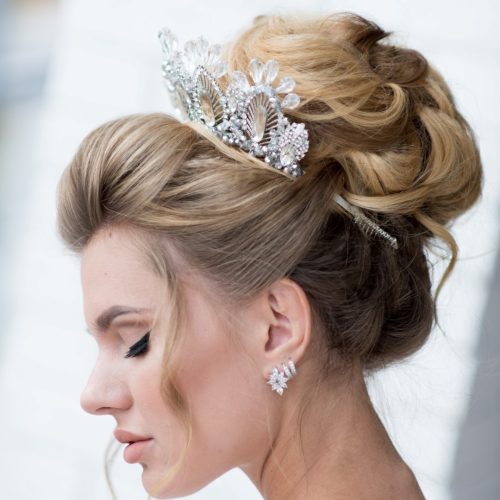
67,66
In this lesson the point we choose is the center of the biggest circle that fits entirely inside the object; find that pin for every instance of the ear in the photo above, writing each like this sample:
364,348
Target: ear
286,329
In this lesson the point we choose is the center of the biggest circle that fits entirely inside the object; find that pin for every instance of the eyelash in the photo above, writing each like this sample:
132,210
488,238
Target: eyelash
139,347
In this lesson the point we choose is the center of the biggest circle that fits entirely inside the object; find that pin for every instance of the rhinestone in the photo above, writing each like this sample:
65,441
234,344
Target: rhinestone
240,80
287,155
291,101
270,71
201,47
214,54
298,130
190,48
256,69
232,103
168,41
219,69
286,85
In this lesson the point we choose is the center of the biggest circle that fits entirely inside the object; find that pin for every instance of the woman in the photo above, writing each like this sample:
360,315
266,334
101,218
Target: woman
245,268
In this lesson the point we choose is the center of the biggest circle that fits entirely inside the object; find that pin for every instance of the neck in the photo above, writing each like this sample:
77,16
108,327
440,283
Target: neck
346,451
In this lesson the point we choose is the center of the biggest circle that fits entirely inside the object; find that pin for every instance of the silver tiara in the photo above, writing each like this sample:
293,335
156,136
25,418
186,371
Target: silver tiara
247,115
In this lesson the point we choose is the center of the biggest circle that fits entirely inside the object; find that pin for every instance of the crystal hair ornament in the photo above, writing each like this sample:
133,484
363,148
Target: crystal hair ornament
247,115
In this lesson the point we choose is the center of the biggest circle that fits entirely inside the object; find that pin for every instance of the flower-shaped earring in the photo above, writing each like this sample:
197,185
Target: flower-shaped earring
277,380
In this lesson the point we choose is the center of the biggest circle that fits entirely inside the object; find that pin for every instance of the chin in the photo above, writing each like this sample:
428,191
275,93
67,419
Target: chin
176,488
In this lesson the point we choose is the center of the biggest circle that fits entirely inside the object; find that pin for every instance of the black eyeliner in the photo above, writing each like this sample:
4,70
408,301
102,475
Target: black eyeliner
139,347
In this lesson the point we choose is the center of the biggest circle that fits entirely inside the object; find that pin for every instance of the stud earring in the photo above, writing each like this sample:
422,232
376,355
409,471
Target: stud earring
277,380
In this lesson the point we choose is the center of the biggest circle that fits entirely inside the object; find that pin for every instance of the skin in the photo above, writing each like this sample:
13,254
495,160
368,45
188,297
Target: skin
236,415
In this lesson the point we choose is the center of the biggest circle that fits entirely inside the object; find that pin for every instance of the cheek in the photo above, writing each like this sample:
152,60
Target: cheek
147,396
226,398
157,418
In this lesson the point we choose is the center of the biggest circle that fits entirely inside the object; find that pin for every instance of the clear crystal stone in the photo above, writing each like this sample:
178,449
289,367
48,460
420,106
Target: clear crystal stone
201,45
298,129
189,48
256,70
232,102
168,40
240,80
219,69
214,54
287,154
271,71
290,101
286,85
190,53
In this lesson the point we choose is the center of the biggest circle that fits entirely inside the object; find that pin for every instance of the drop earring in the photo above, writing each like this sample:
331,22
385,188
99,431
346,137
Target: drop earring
277,380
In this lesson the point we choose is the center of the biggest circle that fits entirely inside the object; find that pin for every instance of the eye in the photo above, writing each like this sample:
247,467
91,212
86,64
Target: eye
139,347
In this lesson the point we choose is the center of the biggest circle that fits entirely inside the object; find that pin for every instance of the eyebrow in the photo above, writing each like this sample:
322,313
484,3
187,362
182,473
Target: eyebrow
106,318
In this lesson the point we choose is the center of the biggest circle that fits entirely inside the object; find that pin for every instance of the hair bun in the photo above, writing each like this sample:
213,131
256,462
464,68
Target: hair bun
380,117
376,112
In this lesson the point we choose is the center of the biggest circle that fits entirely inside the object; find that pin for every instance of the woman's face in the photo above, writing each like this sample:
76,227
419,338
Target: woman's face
225,391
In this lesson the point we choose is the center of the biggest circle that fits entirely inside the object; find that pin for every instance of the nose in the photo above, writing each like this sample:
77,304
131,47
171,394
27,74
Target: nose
106,392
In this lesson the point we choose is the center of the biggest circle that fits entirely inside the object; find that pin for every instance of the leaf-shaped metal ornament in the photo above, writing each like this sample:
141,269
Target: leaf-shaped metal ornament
261,118
209,94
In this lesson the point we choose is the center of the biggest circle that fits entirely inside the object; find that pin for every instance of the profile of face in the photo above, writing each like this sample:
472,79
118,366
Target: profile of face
225,391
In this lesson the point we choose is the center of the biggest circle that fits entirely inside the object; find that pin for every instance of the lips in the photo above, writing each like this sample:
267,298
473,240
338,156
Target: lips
128,437
134,452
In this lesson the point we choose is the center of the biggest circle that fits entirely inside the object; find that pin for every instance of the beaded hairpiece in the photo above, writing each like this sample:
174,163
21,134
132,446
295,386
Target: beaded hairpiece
247,115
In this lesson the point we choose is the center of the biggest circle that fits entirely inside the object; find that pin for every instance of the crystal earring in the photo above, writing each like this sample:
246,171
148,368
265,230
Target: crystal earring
277,380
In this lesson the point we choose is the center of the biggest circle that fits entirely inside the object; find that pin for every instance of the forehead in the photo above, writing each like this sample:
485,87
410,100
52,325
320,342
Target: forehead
113,271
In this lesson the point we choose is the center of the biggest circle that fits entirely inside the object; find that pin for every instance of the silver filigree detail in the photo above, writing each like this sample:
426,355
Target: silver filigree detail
209,98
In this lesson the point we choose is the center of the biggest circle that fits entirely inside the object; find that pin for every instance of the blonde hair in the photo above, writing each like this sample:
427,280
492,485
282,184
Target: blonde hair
384,131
